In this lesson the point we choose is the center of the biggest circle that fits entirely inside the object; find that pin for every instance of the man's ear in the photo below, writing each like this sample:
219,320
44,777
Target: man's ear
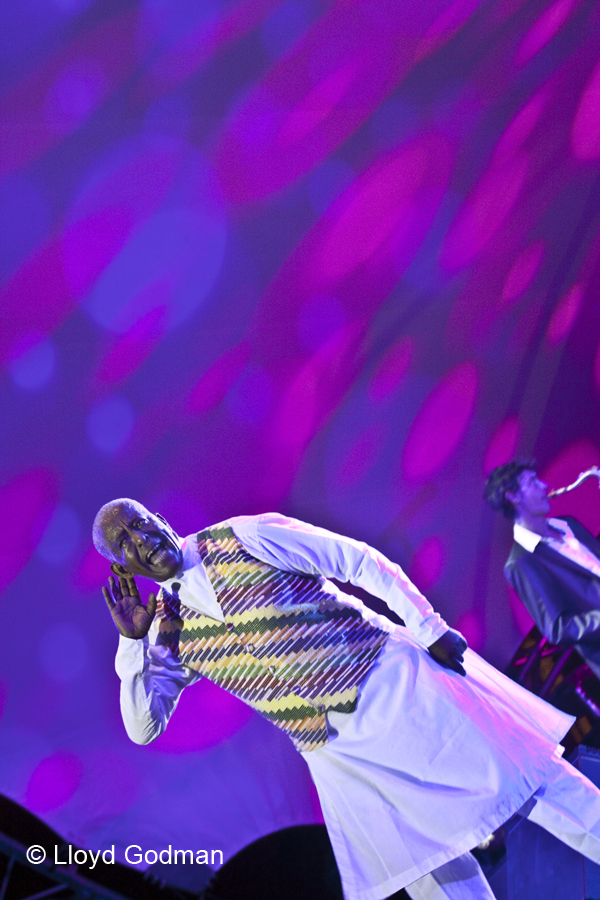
514,497
164,521
120,570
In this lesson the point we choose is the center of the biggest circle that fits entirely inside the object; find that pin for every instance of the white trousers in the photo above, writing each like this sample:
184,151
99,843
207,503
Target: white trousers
567,805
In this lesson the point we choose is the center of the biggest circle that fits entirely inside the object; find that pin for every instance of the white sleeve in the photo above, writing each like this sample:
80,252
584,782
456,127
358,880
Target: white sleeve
152,680
298,547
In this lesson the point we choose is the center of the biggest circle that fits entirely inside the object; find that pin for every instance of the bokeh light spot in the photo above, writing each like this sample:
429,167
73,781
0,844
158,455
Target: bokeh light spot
543,30
26,502
503,444
441,422
472,628
205,717
445,26
217,381
61,537
181,510
362,456
283,27
522,272
109,423
327,182
392,369
32,362
521,127
24,220
309,398
484,212
110,784
315,107
63,652
124,190
53,782
563,319
375,208
249,400
74,95
393,121
92,572
72,7
319,319
585,137
171,261
428,563
132,349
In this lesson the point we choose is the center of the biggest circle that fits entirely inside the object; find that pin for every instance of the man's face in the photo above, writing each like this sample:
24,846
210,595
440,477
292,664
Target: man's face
141,543
532,497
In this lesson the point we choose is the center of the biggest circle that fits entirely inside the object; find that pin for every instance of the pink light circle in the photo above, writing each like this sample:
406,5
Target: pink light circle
362,456
441,423
484,212
521,127
53,782
27,501
473,630
563,319
377,208
428,563
502,445
585,135
205,717
543,30
522,272
75,94
392,369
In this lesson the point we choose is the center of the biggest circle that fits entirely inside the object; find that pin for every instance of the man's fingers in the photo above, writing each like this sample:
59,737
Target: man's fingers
151,607
109,600
132,588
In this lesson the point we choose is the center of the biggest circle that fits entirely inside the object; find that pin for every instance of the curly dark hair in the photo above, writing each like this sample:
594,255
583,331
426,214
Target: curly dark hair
506,478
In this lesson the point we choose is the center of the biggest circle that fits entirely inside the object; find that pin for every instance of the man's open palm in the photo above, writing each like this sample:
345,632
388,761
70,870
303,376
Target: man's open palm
131,617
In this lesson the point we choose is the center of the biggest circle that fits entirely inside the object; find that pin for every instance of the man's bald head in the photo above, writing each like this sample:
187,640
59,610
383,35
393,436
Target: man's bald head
136,541
106,516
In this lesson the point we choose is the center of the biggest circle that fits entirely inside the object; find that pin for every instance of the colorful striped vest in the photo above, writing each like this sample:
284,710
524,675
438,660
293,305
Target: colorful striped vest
288,647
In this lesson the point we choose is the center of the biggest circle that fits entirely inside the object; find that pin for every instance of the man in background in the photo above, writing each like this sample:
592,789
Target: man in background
554,564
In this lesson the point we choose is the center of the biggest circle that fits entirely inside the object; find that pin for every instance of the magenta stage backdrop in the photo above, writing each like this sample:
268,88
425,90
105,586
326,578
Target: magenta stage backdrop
337,259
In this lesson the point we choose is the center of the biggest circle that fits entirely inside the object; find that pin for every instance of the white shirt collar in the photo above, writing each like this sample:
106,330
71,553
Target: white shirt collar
189,552
529,539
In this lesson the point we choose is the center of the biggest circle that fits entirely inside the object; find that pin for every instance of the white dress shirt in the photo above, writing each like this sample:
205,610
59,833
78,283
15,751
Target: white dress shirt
152,679
565,543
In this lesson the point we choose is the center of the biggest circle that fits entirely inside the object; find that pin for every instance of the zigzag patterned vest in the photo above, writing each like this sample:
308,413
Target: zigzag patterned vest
287,647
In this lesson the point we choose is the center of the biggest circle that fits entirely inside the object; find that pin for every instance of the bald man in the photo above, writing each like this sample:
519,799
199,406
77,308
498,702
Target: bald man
418,748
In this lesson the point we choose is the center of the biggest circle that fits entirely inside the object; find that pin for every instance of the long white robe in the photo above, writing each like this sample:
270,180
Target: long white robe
429,763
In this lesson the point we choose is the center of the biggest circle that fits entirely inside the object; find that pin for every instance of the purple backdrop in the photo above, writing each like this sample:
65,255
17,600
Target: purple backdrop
337,259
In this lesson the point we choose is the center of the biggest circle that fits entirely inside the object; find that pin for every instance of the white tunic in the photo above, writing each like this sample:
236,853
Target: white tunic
430,762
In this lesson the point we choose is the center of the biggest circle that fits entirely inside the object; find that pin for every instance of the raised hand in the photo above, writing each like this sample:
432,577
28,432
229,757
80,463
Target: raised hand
131,617
448,651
